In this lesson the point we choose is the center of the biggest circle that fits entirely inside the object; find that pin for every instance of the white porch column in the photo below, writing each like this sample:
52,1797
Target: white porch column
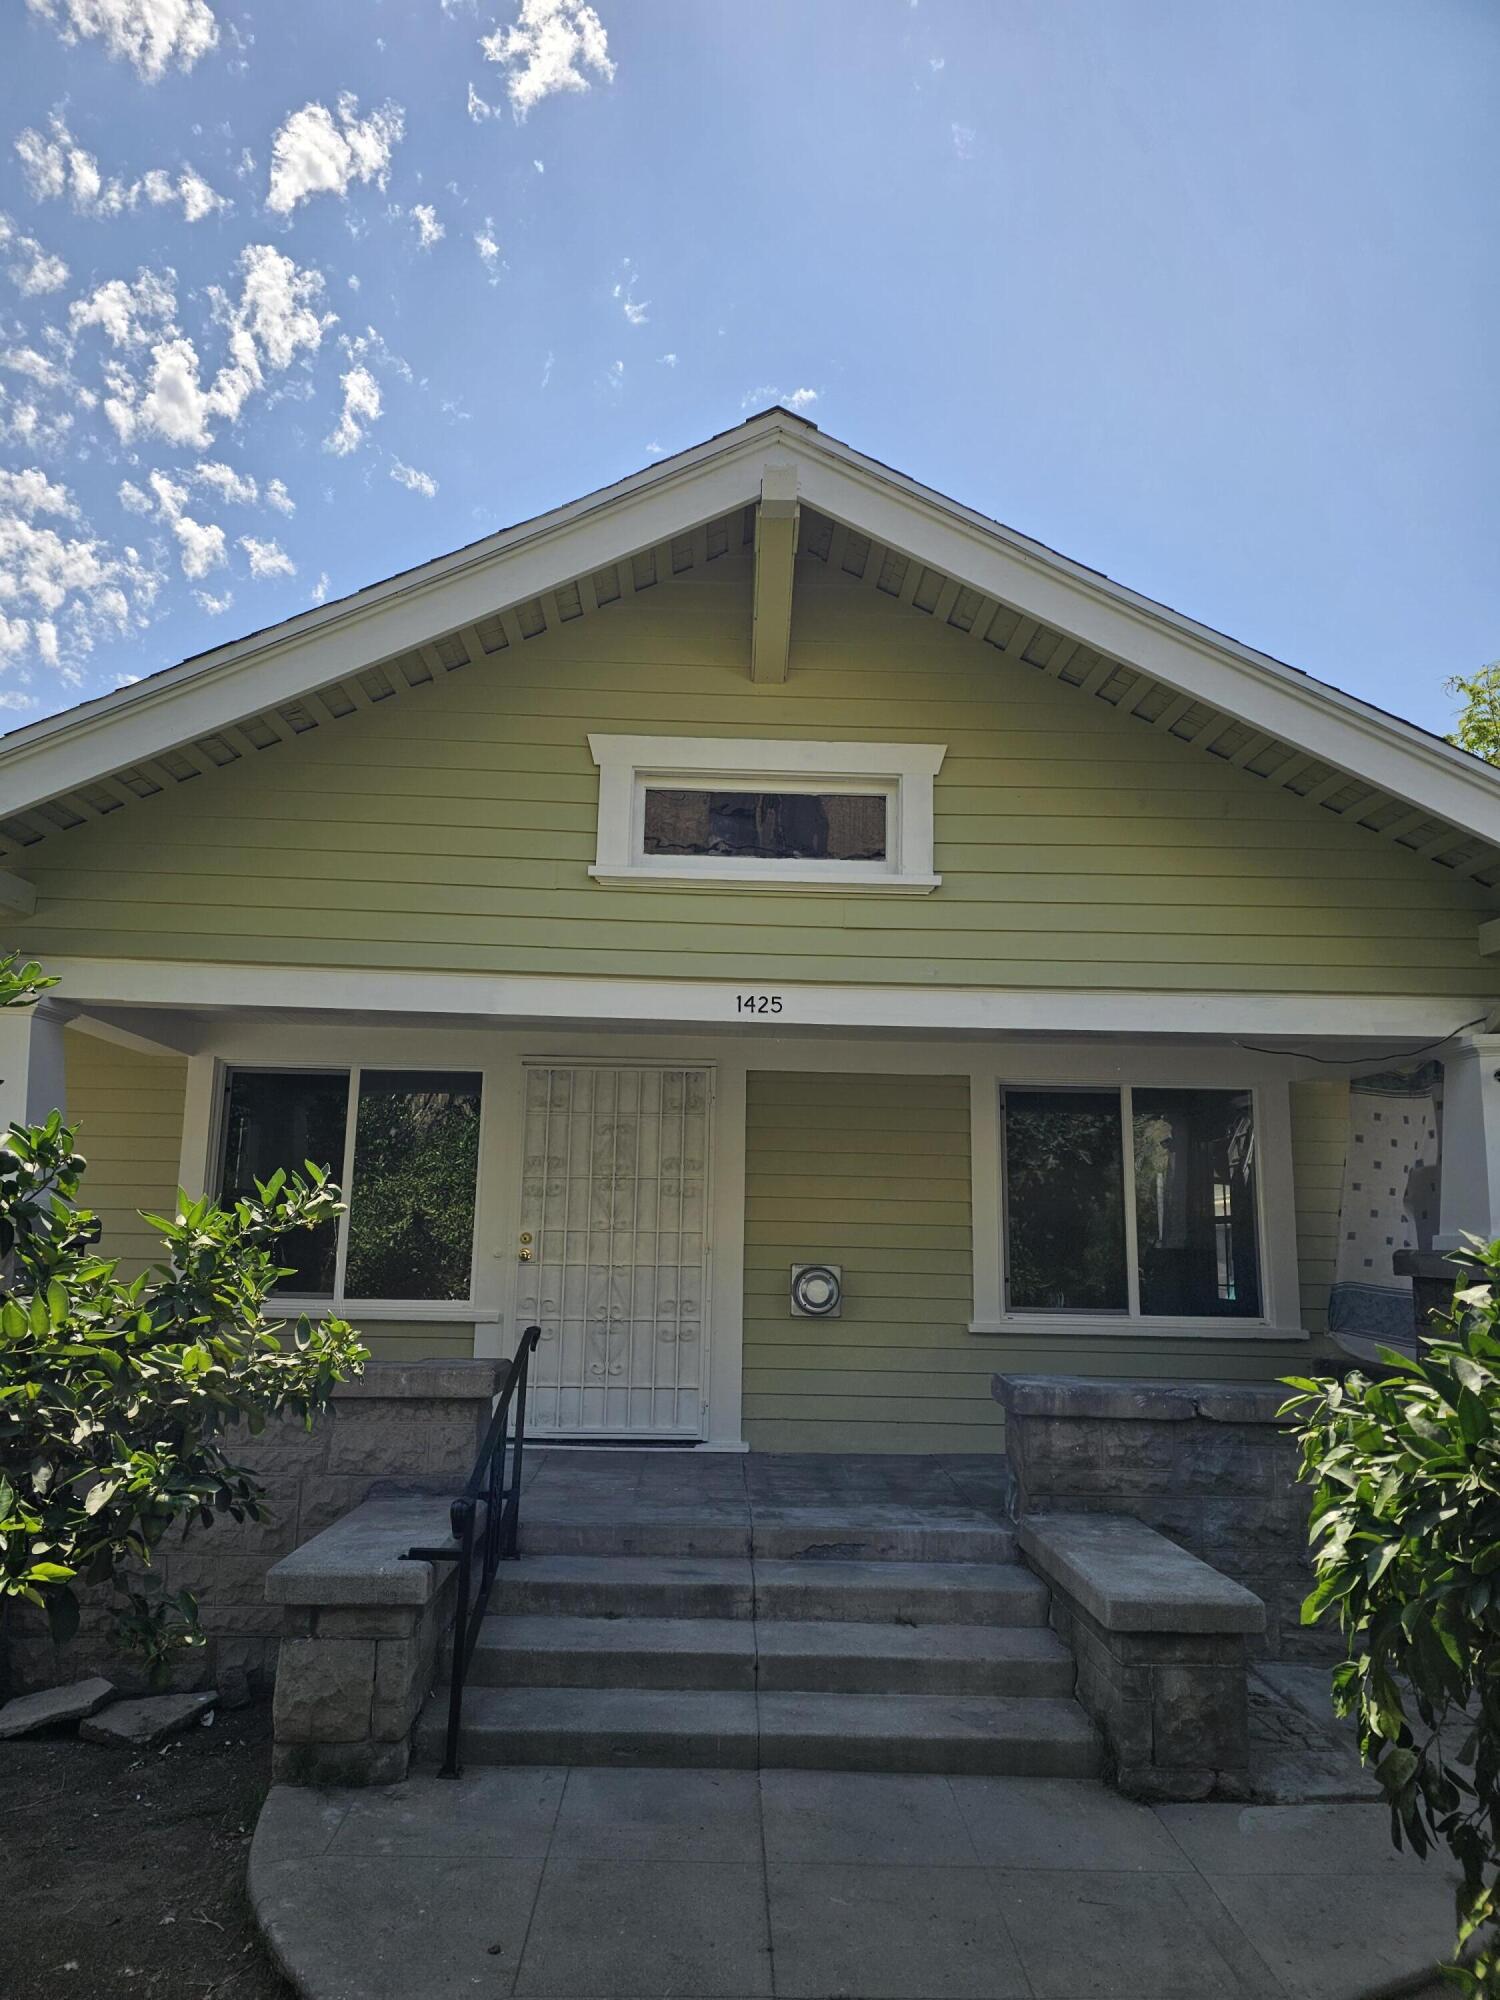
31,1064
1470,1203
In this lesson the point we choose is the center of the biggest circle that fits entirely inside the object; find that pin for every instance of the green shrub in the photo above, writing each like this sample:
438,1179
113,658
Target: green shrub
1406,1528
119,1402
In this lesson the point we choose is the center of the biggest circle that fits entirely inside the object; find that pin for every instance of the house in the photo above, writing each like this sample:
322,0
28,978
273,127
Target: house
807,947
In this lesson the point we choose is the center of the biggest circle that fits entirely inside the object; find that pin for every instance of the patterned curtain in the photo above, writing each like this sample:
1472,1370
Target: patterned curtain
1390,1203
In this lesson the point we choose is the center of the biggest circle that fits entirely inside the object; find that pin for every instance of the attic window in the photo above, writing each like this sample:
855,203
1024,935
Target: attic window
707,812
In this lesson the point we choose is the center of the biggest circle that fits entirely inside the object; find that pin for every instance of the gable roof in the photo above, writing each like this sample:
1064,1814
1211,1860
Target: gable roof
939,557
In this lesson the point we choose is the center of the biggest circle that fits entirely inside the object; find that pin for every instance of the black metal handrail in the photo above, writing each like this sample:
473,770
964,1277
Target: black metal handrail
495,1542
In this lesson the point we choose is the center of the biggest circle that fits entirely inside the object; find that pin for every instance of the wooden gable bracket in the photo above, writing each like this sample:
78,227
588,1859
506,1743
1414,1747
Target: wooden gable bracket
775,567
1489,937
16,895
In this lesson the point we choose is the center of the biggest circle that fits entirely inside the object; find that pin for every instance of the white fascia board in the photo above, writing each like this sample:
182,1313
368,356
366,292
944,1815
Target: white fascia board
323,645
1251,687
354,994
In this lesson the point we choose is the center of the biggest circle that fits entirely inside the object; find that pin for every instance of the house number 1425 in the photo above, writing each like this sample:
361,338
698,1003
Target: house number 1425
757,1003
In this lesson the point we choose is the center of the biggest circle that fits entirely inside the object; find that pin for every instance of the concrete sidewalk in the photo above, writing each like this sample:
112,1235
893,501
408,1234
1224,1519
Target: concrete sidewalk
593,1884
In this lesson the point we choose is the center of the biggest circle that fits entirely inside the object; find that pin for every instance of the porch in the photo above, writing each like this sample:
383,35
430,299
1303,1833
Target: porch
646,1190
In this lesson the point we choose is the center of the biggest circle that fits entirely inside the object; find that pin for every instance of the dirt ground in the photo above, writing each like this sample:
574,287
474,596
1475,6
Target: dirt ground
124,1873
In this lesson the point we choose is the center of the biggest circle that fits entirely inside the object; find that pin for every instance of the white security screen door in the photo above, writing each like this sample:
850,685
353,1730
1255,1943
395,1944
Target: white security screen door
614,1211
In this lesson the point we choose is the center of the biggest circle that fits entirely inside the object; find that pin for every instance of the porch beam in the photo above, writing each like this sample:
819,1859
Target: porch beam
352,994
776,524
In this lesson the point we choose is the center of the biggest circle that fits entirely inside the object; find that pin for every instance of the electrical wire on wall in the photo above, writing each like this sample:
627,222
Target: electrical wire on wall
1365,1061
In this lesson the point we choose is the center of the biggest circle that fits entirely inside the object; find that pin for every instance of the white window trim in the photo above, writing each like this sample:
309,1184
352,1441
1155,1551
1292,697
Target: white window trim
292,1305
1280,1317
904,772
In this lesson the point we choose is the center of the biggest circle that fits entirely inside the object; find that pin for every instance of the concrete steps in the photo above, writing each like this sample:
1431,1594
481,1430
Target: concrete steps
805,1655
858,1638
718,1728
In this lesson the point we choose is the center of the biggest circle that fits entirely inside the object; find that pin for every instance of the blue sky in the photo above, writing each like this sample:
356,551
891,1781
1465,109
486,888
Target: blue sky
1205,295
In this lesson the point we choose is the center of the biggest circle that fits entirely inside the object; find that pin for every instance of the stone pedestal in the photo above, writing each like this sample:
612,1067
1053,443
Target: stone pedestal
1159,1638
361,1631
1208,1464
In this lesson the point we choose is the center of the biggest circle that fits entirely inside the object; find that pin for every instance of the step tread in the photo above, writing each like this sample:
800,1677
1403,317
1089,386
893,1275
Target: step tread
504,1631
525,1631
683,1712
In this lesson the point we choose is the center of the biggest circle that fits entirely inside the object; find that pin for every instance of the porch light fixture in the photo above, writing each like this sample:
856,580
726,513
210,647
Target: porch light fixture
817,1291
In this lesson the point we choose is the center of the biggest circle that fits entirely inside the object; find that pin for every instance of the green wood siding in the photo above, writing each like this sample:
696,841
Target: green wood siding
872,1172
451,827
128,1108
1320,1135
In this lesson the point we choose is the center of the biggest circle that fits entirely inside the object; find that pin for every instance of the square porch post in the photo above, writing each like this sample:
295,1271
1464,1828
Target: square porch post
1470,1197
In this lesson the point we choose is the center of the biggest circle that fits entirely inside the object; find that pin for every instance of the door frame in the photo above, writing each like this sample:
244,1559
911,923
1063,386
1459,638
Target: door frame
617,1062
721,1390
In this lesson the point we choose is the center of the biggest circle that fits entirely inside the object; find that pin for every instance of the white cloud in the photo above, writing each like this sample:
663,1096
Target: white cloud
24,424
132,499
201,545
624,291
963,141
547,49
667,360
36,367
479,109
57,166
61,591
767,394
361,408
214,606
236,488
320,589
616,374
30,268
312,154
190,189
32,492
429,229
278,497
152,35
487,244
539,167
129,315
267,558
416,482
275,318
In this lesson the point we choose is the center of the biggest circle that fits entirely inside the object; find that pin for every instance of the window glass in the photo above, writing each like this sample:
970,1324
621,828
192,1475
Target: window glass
1065,1201
411,1204
283,1118
1195,1203
767,826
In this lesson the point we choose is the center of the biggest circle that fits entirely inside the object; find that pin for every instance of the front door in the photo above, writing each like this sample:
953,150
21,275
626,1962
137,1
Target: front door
614,1213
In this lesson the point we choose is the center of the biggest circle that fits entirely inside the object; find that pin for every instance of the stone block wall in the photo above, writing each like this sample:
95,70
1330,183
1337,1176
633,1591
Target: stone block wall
412,1426
1207,1464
